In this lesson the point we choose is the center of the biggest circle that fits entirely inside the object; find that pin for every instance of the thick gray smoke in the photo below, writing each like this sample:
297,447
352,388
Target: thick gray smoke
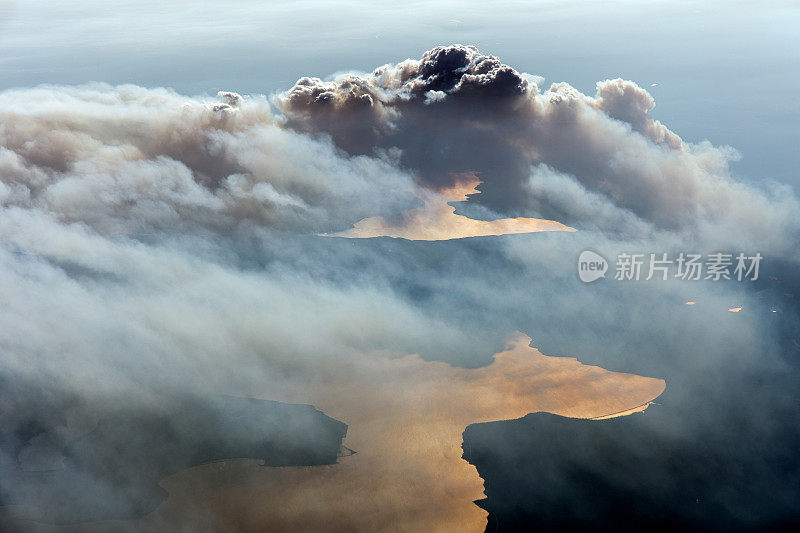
599,160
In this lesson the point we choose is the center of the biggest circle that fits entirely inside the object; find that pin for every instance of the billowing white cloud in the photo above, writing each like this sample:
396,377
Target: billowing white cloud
128,159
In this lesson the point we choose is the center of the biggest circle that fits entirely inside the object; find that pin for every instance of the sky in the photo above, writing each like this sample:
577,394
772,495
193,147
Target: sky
725,71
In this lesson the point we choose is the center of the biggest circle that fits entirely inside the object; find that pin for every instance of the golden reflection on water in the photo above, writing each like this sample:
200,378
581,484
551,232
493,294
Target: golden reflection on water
406,417
437,220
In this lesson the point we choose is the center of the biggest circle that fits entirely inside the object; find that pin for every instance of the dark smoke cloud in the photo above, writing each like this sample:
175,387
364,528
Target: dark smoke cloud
457,110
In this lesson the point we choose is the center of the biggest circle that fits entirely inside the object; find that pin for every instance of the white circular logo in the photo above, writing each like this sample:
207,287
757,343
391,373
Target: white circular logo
591,266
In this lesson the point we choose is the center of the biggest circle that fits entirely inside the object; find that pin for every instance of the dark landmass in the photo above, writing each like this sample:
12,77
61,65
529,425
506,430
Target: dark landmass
112,472
546,472
719,452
